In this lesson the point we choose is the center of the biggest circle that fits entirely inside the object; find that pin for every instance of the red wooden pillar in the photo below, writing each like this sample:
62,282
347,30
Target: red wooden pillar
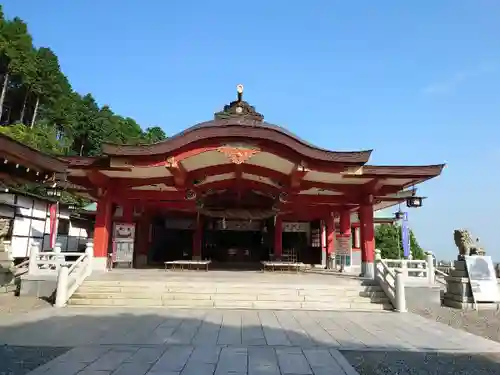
278,238
345,223
367,240
197,238
102,232
330,240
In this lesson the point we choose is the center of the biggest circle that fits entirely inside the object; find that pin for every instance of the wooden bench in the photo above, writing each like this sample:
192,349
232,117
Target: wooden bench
282,266
187,264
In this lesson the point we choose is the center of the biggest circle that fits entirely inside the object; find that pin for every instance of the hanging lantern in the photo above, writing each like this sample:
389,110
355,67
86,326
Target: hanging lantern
283,197
399,215
414,202
190,195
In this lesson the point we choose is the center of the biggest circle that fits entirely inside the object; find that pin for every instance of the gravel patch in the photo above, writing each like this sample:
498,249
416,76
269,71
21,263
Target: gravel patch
396,363
20,360
426,303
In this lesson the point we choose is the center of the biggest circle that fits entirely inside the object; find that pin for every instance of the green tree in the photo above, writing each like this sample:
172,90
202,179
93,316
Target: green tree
39,108
44,137
154,134
388,240
49,83
16,55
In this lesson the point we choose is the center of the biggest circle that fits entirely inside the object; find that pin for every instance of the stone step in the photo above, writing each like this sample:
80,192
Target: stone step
230,289
219,283
260,305
229,297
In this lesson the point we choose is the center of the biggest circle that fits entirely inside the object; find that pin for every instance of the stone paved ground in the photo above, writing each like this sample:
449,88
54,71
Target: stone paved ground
426,303
10,304
158,341
20,360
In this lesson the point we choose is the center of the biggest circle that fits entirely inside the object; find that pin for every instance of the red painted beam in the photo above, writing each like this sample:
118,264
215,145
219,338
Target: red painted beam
98,178
264,146
297,175
178,172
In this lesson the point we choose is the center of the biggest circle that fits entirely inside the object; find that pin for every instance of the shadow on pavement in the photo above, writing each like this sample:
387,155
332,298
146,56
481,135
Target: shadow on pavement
189,342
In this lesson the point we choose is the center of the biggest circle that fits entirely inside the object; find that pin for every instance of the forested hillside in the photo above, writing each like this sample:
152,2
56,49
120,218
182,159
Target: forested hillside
39,108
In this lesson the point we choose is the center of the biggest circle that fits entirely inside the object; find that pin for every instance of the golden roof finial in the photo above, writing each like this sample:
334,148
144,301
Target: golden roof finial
239,90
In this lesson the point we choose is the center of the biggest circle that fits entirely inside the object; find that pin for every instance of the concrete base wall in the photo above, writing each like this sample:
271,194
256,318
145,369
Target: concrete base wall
368,270
99,264
41,286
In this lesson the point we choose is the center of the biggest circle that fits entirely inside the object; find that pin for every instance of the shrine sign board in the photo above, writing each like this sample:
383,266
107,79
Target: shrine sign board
343,246
123,242
482,278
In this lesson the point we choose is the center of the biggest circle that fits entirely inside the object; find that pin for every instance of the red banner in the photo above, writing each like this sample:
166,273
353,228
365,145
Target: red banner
53,225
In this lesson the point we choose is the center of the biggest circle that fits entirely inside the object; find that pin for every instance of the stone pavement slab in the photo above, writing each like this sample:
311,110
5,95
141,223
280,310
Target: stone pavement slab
184,342
20,360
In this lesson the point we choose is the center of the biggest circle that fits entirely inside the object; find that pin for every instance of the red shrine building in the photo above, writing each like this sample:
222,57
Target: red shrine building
239,190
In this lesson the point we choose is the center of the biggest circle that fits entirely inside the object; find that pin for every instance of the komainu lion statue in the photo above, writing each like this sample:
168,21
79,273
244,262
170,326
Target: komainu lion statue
466,245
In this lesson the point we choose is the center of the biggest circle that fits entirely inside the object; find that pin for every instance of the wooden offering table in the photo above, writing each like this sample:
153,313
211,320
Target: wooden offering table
282,266
187,264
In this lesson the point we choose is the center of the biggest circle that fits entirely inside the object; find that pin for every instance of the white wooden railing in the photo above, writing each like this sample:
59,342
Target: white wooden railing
440,276
72,275
422,271
391,281
21,268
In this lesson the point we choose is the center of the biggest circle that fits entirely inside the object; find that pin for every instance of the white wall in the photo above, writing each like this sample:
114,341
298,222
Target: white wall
31,223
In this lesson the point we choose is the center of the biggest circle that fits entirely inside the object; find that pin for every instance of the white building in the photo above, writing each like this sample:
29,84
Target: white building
25,218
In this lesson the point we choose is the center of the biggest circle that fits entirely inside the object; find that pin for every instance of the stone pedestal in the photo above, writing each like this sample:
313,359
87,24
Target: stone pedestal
458,291
7,279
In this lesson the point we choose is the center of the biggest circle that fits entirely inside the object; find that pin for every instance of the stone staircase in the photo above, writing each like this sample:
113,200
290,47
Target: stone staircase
338,294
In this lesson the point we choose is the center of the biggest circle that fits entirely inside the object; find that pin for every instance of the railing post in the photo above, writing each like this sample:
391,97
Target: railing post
404,268
33,259
431,273
62,286
59,258
89,250
376,271
400,292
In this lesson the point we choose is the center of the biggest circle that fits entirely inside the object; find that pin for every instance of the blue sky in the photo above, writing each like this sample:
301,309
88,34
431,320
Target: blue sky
416,81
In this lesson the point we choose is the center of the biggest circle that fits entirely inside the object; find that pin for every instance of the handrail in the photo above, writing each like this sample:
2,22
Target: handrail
442,274
77,262
21,268
414,269
391,282
72,275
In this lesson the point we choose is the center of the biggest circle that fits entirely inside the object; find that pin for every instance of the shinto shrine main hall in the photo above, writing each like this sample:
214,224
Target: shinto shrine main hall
239,190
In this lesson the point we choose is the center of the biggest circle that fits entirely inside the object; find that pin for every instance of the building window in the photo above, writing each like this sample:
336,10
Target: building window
63,227
316,237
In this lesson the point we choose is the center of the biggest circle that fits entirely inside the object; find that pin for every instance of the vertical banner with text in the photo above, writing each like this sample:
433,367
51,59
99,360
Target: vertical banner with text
405,235
53,224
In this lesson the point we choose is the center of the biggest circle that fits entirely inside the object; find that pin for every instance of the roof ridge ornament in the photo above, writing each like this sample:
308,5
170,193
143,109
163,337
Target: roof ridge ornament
239,109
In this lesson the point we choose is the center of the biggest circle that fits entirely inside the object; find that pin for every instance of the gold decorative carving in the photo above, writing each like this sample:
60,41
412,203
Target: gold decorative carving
238,155
353,171
171,162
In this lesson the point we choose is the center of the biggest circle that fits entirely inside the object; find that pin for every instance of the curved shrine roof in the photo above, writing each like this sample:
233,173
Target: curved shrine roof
20,153
238,129
239,121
